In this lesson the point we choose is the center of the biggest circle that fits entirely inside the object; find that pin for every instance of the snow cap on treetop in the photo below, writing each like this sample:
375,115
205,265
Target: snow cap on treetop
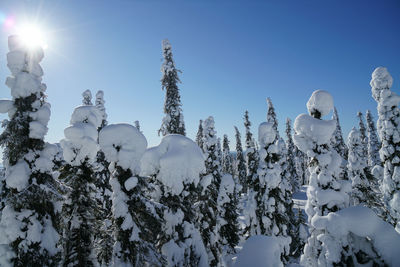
266,133
354,135
123,144
381,78
88,114
321,101
166,44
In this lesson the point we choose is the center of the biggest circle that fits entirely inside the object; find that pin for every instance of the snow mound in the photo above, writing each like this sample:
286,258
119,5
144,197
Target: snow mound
176,161
123,144
18,176
363,222
262,251
86,114
321,101
309,130
381,78
266,133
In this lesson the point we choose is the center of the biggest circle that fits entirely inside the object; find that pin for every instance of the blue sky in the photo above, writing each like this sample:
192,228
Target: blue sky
233,54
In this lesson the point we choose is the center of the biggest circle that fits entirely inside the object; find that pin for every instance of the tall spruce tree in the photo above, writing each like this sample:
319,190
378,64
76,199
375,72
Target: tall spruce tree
373,143
240,169
322,248
173,122
103,237
337,141
87,98
271,117
226,157
136,219
291,158
389,132
209,196
363,132
199,135
251,153
80,209
29,225
179,240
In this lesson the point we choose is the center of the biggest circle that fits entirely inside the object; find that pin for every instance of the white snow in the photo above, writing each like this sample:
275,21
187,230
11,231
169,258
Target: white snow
266,133
18,175
321,101
262,251
176,161
131,183
123,144
363,222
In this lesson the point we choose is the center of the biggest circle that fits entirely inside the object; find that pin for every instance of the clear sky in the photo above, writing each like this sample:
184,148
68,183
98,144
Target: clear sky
233,54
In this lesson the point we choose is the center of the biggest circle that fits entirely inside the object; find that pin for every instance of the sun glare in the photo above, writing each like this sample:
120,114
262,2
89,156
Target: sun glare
32,36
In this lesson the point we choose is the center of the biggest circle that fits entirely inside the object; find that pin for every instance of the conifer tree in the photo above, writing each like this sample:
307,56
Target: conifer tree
87,98
103,236
322,248
226,157
209,195
173,122
80,209
29,217
363,132
373,142
137,125
240,162
179,240
291,158
251,153
337,141
389,132
136,218
363,183
199,135
228,225
271,117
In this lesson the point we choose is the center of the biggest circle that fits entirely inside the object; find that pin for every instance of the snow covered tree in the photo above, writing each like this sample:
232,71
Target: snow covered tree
240,162
271,117
29,225
326,192
270,196
209,196
136,218
80,209
251,152
228,225
226,156
389,133
173,122
199,135
365,189
363,132
137,125
176,165
373,143
87,98
104,238
291,158
337,141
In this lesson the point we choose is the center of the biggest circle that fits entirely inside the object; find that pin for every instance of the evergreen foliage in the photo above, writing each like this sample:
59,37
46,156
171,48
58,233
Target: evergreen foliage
240,163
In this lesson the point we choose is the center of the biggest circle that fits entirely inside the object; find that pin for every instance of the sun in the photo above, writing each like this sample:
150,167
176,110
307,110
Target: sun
32,36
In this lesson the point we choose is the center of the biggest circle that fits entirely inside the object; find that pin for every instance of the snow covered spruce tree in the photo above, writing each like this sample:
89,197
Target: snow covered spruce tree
389,133
29,226
87,98
173,122
363,132
199,135
104,238
271,117
136,221
365,189
226,157
251,152
80,208
228,226
326,192
240,168
270,196
209,194
337,141
373,143
137,125
176,165
291,158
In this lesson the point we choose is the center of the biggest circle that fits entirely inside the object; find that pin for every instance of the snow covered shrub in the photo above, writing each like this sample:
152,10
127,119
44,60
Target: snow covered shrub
29,230
389,132
137,223
176,165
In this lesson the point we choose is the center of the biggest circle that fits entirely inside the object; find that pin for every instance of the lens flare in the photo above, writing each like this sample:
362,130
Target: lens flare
32,36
